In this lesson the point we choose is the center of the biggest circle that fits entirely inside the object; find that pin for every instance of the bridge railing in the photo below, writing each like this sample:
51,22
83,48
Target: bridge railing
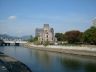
15,41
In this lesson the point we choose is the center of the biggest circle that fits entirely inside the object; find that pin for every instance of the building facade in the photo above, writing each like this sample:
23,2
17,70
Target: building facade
45,34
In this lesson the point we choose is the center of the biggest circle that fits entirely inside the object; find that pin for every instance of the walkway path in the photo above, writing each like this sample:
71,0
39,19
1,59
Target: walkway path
77,50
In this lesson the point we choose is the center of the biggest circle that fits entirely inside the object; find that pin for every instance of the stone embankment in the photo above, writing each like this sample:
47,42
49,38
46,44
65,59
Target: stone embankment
76,50
9,64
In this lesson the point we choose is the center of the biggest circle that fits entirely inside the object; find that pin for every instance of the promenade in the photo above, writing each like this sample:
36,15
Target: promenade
76,50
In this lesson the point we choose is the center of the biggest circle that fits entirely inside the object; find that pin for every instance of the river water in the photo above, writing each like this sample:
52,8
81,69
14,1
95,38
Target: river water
43,61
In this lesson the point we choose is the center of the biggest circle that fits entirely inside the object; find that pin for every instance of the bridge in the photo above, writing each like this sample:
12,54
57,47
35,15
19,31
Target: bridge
12,42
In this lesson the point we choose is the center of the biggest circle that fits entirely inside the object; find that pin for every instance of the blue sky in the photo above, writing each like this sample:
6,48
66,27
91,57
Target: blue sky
21,17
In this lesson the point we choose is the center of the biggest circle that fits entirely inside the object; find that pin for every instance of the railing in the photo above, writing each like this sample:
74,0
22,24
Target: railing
15,41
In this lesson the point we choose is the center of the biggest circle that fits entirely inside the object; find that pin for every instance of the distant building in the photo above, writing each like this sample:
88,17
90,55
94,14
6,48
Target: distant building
45,34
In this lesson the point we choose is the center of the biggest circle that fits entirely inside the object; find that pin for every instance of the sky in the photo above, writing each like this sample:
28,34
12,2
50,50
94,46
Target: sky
22,17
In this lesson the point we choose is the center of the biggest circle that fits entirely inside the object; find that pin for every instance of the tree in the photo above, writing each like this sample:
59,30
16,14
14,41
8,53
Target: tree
89,36
59,36
46,43
31,39
36,41
73,36
35,38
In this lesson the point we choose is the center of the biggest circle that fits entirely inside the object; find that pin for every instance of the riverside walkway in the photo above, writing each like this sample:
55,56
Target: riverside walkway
76,50
9,64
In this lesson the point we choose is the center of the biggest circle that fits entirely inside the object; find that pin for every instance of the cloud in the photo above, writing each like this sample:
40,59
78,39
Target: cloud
12,17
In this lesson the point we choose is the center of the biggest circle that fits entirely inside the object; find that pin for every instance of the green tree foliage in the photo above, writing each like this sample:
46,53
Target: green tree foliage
35,38
73,36
35,41
89,36
46,43
31,39
59,36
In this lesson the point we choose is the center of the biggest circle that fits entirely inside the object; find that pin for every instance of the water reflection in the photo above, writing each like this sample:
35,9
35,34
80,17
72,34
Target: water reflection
43,61
77,64
70,64
90,67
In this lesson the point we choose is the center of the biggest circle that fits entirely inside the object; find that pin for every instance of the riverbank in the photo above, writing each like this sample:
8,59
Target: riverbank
76,50
9,64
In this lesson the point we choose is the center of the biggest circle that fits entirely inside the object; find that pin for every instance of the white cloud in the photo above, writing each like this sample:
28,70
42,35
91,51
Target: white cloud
12,17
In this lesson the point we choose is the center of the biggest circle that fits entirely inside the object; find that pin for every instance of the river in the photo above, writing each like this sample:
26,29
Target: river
43,61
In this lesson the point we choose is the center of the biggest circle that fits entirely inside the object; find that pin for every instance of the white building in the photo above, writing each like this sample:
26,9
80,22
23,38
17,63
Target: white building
45,34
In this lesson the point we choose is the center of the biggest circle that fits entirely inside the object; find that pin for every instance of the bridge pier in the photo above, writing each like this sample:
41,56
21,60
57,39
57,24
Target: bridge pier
1,44
5,44
17,44
8,44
